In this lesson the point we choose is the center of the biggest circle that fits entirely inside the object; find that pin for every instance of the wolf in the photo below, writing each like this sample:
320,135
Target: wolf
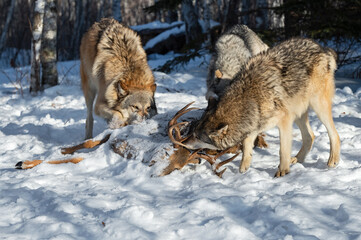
232,50
114,69
275,88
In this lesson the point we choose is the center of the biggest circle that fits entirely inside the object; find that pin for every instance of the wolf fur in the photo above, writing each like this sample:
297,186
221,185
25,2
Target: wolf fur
113,67
275,88
232,50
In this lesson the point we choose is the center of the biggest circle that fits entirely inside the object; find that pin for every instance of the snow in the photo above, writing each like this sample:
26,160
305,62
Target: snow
107,196
179,28
156,25
164,35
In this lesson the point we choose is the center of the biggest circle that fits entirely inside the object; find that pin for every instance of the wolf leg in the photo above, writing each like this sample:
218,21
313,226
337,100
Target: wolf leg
323,109
248,144
89,100
307,138
285,130
89,95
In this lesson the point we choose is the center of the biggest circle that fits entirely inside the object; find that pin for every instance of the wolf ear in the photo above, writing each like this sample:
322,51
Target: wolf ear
218,73
153,87
223,130
220,132
122,89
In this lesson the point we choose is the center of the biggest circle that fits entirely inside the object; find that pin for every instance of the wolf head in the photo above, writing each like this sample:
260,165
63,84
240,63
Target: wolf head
135,105
211,131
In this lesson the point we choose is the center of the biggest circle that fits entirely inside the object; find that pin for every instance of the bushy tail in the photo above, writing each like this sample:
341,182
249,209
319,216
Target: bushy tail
333,57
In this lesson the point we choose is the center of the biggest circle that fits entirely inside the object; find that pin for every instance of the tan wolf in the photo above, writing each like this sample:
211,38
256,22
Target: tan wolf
232,50
113,67
275,88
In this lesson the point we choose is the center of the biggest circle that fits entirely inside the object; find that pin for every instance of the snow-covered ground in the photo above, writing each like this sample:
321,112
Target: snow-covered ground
110,197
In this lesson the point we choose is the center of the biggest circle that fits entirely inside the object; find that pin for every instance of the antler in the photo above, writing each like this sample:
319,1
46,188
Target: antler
183,155
173,125
213,160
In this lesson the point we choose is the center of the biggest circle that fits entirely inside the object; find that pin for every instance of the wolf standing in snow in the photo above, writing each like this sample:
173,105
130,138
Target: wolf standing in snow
275,88
232,50
113,67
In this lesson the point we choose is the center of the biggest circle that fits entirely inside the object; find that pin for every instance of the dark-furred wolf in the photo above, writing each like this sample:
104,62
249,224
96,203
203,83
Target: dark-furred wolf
114,68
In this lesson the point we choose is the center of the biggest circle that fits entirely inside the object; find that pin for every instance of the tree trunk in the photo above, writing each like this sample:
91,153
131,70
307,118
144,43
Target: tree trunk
172,16
291,22
231,18
36,46
48,53
275,21
117,14
207,18
252,23
192,27
80,6
6,26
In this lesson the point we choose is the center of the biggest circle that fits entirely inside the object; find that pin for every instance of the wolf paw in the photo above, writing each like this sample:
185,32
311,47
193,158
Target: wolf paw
243,168
332,163
281,173
294,160
116,122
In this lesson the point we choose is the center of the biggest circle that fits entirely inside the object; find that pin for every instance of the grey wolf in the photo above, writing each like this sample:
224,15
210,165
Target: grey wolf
114,69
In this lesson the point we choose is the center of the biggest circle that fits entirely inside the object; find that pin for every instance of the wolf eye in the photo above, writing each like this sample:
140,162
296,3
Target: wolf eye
136,108
148,109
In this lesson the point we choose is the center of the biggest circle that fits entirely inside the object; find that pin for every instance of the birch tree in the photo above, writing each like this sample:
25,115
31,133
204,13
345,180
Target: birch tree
192,27
7,24
49,41
37,30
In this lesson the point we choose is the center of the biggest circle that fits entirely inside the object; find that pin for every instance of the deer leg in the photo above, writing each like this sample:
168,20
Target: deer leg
86,144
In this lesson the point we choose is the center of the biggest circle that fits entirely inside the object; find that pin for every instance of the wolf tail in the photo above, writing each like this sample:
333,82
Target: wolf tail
333,57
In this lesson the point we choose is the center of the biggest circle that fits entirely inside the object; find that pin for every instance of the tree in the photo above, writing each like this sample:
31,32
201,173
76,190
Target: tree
192,28
49,41
80,6
231,16
7,24
37,30
207,18
117,14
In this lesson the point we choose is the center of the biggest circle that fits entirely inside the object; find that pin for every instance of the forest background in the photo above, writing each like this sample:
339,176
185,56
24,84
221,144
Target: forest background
333,23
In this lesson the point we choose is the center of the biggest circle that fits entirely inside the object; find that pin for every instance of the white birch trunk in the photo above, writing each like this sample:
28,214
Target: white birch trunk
36,46
49,41
6,26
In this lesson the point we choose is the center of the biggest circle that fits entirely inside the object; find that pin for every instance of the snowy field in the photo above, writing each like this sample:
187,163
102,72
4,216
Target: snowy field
110,197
